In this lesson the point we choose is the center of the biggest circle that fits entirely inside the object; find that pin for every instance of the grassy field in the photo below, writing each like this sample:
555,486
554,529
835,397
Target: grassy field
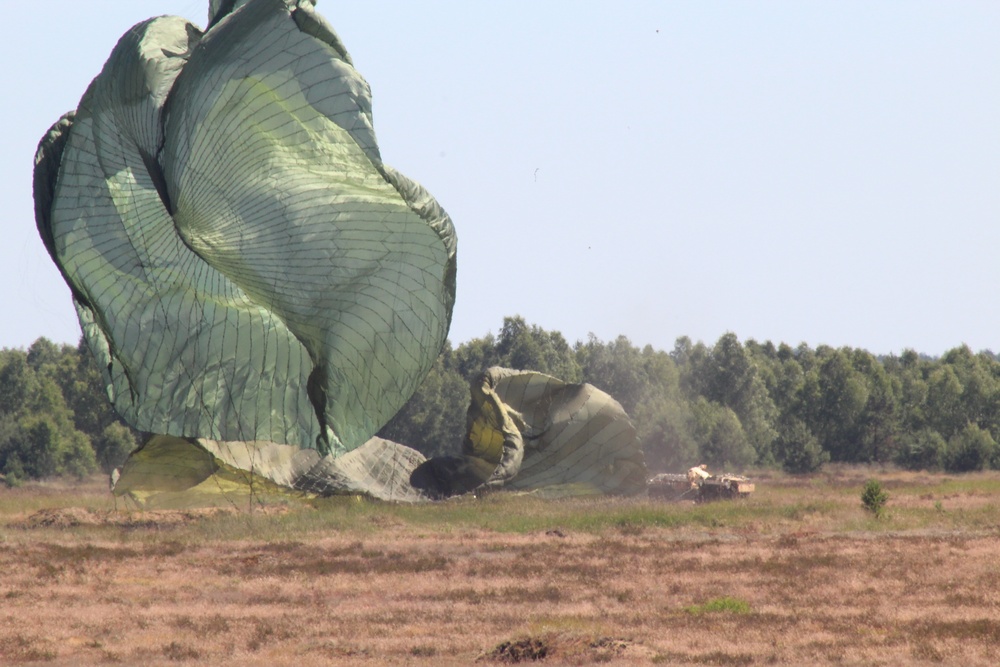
797,574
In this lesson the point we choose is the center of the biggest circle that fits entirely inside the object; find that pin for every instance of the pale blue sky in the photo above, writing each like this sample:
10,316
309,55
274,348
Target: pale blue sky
818,172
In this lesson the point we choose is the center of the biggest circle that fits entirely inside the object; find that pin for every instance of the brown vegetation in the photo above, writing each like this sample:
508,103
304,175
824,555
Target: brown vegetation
797,574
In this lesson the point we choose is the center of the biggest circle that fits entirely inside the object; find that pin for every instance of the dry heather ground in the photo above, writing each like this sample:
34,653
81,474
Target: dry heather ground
799,574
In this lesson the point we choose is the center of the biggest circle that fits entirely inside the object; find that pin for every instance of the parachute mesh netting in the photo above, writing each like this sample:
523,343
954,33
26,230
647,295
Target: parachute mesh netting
259,289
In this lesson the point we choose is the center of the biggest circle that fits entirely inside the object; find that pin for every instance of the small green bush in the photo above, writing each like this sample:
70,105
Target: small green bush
873,498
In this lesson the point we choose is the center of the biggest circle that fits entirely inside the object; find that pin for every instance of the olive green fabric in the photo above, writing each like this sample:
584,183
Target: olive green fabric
171,472
244,266
262,293
527,430
574,434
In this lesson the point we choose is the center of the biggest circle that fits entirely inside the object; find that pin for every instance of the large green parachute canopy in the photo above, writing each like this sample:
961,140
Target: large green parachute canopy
244,266
263,293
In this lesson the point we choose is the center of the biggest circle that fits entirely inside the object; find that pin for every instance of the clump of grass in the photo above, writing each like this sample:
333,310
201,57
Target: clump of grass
713,658
725,604
21,648
179,652
573,647
75,553
261,635
524,649
423,651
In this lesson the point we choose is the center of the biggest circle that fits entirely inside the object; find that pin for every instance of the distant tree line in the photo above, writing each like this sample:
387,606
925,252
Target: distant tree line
730,405
55,418
734,405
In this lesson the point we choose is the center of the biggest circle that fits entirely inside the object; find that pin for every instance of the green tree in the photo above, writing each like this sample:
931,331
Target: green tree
86,395
43,352
908,371
646,383
878,424
943,409
631,376
720,436
113,446
616,368
37,435
42,447
972,448
531,348
472,358
16,377
664,431
922,450
797,449
834,398
691,360
732,379
979,377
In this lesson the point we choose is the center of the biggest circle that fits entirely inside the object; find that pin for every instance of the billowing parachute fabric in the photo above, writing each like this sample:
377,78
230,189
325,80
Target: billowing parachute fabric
525,431
171,472
262,293
528,430
244,266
